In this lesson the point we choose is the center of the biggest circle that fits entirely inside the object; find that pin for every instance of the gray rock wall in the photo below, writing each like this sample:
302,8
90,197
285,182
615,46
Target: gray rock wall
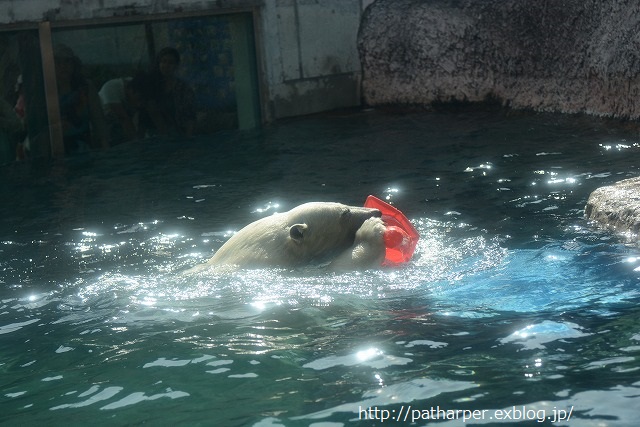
548,55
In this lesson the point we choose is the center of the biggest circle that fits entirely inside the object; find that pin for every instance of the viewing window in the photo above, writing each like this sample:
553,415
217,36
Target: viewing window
94,86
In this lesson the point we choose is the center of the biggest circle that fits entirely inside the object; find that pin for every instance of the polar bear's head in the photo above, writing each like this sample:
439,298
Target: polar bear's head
322,228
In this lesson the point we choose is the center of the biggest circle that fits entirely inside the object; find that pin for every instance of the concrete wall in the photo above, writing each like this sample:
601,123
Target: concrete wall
312,61
307,48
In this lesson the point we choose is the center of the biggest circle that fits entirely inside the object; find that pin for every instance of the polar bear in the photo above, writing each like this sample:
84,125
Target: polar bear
317,233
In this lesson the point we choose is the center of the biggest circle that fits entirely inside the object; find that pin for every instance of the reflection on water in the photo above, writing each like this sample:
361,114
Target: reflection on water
512,299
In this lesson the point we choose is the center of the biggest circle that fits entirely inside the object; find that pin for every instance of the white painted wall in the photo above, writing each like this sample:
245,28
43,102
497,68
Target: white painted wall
311,56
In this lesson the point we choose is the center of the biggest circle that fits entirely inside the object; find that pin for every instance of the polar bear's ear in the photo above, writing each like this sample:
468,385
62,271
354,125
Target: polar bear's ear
296,232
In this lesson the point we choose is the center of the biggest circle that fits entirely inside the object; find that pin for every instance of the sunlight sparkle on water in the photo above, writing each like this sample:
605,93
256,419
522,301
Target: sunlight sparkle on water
108,248
379,380
618,146
389,192
149,301
88,238
368,354
485,166
267,207
259,305
562,180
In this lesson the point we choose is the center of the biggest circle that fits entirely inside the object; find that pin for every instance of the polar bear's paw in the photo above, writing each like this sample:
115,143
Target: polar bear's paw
368,249
371,232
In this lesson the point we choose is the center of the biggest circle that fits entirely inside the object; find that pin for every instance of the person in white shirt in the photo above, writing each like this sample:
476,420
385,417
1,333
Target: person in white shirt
123,99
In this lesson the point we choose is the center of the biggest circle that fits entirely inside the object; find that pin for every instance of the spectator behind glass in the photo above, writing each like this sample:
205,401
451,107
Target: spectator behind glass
10,127
20,108
124,100
174,112
83,123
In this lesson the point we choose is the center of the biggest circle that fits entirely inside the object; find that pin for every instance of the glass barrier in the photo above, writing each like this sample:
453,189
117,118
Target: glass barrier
121,82
23,115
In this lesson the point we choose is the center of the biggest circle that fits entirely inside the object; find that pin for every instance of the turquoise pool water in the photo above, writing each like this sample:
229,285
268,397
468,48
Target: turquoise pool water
514,310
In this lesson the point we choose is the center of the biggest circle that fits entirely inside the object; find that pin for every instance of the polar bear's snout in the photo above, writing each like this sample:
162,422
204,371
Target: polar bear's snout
359,215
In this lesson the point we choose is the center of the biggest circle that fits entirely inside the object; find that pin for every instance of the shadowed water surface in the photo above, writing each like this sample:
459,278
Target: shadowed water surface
513,306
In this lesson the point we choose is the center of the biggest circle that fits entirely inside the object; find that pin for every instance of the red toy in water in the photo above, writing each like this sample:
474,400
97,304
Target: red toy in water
400,237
